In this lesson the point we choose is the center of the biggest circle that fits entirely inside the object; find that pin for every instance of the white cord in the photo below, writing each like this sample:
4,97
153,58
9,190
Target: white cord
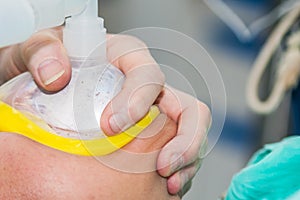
237,25
230,18
288,72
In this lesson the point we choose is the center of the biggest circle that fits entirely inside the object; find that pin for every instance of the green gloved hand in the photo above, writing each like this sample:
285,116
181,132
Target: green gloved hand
273,173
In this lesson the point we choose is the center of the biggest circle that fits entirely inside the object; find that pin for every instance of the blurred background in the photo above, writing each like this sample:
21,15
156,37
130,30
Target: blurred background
243,132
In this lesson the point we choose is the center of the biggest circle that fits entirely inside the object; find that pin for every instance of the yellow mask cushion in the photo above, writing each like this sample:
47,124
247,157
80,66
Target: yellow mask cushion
13,121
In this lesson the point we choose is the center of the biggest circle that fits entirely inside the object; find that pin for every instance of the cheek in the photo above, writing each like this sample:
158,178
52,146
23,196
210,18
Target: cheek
29,170
19,171
33,171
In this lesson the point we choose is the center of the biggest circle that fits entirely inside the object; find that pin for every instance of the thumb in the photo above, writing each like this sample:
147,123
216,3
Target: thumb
45,57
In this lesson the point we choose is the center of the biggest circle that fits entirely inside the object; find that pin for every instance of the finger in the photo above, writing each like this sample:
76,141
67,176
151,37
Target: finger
144,81
193,118
180,182
44,56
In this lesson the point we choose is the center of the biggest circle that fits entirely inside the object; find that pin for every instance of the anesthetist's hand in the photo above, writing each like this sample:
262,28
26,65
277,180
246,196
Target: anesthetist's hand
180,159
45,57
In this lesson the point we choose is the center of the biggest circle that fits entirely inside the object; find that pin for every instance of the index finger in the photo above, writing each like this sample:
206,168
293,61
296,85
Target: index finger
144,81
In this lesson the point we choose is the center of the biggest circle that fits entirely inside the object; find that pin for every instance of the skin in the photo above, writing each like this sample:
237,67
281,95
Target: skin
44,55
30,171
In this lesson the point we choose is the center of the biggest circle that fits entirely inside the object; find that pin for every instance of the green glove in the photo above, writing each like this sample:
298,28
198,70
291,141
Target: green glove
272,174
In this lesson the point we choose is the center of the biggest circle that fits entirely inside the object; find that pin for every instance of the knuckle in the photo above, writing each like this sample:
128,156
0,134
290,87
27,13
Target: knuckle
14,62
137,45
133,39
204,109
192,152
36,42
127,40
137,108
151,75
205,112
162,77
157,74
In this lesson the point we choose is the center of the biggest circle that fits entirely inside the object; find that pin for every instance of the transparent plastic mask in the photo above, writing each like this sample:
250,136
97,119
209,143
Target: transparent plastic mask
75,111
70,119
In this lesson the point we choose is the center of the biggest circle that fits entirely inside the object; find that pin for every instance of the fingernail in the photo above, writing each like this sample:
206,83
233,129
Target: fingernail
118,122
176,162
50,70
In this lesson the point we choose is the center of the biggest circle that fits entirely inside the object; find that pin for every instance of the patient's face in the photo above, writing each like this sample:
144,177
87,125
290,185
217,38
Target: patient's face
29,170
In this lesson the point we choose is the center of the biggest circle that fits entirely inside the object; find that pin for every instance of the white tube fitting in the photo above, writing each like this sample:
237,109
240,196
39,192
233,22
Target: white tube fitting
85,35
19,19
